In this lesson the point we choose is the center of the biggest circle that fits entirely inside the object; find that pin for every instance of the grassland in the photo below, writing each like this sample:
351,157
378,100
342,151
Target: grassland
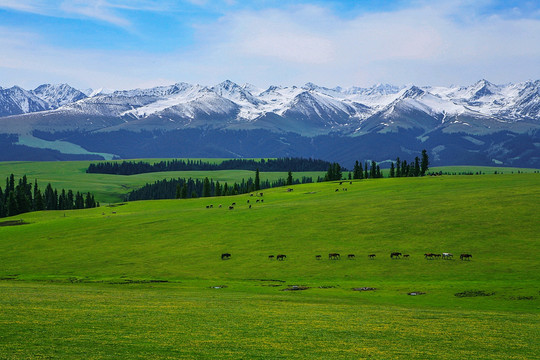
145,279
112,188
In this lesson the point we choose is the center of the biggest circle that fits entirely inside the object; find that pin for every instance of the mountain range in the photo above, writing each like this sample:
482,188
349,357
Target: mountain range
481,124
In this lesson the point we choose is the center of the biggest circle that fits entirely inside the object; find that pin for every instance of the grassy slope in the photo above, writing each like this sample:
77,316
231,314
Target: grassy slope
112,188
494,217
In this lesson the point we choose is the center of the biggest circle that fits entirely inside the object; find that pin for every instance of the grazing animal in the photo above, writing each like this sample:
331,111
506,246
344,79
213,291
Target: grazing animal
334,256
250,194
261,194
225,256
262,200
437,256
318,257
405,256
350,182
341,183
208,206
233,204
220,206
231,207
337,190
271,257
281,257
447,256
248,201
371,256
351,256
396,255
465,256
257,201
211,206
289,190
250,206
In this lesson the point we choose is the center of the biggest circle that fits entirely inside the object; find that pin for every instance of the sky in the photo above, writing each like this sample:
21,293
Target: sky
126,44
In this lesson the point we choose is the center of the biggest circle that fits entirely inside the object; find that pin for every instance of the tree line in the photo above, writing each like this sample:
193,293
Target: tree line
182,188
401,168
140,167
22,196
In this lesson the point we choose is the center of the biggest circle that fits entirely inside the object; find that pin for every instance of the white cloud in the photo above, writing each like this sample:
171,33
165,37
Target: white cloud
428,44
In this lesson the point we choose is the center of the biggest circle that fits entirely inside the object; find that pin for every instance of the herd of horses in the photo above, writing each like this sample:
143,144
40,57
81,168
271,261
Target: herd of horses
393,255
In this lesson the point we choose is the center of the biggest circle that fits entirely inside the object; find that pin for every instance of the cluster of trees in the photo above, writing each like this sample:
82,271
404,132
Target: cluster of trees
367,172
404,169
190,188
281,164
21,197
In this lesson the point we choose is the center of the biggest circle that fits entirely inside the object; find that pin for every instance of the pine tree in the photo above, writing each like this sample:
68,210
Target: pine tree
373,170
357,171
289,179
398,167
425,163
257,180
392,170
206,188
366,171
416,166
378,172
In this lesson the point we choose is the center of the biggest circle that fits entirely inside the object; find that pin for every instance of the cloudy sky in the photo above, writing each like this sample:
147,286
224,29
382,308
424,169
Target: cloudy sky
121,44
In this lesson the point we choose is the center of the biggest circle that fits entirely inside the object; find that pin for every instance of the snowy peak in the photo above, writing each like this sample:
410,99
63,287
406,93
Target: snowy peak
58,95
15,101
413,92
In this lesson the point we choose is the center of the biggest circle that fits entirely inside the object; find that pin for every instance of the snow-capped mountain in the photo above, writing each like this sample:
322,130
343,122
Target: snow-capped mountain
477,110
58,95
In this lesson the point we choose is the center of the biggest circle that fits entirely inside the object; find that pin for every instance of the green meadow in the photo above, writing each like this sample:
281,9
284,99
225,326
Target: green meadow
146,280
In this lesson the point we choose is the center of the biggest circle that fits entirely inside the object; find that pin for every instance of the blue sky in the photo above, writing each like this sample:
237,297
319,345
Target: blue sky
123,44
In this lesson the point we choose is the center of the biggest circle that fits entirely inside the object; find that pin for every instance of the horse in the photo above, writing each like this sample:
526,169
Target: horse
231,207
465,256
317,257
429,256
351,256
225,256
447,256
334,256
270,257
281,257
405,256
396,255
437,256
371,256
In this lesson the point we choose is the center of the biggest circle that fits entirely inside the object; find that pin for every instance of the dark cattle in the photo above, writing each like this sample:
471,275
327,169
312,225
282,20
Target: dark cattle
371,256
281,257
208,206
271,257
231,207
318,257
429,256
220,206
211,206
257,201
289,190
334,256
262,200
261,194
465,256
437,256
350,182
225,256
233,204
250,206
341,183
351,256
248,201
396,255
337,190
405,256
250,194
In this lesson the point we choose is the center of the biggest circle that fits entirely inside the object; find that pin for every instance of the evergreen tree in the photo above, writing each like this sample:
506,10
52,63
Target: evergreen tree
184,191
178,194
416,166
366,171
357,171
257,180
12,204
218,188
206,188
378,172
373,170
289,179
392,170
424,166
398,167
